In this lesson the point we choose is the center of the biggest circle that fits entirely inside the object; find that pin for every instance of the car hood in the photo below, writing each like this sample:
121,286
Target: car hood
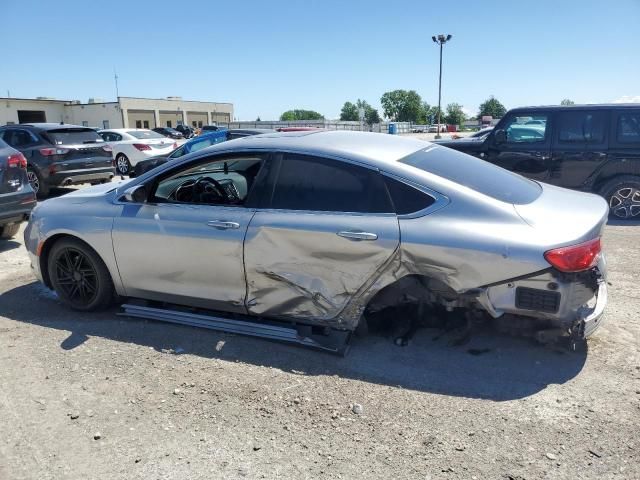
462,144
83,195
564,217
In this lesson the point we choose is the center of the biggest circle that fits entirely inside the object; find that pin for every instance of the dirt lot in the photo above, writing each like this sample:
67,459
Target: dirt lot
177,402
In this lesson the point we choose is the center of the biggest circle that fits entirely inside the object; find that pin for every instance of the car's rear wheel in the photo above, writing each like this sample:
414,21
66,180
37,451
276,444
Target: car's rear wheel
79,276
122,164
37,183
623,196
9,231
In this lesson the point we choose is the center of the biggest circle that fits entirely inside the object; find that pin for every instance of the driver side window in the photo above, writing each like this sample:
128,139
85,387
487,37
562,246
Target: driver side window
219,181
526,128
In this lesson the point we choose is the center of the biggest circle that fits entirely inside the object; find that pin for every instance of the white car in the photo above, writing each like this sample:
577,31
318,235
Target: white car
132,145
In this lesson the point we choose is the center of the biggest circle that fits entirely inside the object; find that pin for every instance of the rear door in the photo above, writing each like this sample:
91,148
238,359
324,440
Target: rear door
579,146
327,228
527,147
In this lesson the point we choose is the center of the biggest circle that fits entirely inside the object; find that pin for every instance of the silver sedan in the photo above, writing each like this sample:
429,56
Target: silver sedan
322,228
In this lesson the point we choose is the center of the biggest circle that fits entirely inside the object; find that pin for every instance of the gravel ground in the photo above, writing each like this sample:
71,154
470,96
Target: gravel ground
86,396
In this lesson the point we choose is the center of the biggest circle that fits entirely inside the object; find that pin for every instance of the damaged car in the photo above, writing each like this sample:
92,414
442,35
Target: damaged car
301,236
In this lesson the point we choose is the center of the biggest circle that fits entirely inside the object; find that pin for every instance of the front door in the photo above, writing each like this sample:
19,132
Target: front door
328,229
526,148
184,245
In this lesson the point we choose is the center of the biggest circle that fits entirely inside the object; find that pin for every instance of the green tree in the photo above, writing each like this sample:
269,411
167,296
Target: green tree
299,114
428,114
567,102
492,107
258,119
371,115
349,112
455,115
402,105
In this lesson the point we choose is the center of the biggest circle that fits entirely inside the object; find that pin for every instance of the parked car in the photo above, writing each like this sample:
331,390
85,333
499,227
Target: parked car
60,154
210,128
202,141
198,143
17,198
169,132
185,130
592,148
131,146
434,128
322,229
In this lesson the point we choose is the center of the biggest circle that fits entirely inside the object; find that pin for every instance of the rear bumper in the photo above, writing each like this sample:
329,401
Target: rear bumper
73,177
590,319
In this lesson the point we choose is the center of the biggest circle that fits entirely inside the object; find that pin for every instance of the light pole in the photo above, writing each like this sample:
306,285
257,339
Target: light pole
441,40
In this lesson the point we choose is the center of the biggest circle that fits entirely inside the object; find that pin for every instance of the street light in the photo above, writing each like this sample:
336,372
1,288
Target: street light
441,40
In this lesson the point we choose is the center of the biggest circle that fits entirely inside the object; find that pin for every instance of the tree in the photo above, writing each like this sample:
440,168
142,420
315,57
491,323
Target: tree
567,102
258,119
455,115
402,105
370,114
492,107
298,114
428,114
349,112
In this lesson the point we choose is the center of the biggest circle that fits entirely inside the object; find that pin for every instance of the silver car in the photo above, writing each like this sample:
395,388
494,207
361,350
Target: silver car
318,229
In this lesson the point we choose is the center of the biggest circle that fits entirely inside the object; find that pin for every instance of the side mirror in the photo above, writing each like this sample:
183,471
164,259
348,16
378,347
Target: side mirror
135,194
500,136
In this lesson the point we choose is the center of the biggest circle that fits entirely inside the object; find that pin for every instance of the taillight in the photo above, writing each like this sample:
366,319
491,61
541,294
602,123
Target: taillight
17,160
575,258
47,152
107,148
141,146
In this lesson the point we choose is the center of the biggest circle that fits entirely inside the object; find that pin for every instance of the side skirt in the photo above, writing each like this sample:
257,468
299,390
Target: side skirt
320,338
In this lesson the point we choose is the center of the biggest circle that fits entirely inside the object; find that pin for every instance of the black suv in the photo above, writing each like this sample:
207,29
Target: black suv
60,154
594,148
16,196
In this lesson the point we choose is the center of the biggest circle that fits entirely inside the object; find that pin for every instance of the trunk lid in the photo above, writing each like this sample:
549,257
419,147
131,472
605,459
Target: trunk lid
565,217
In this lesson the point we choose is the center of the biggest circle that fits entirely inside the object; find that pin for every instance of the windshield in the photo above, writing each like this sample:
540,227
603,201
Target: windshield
144,134
481,176
73,136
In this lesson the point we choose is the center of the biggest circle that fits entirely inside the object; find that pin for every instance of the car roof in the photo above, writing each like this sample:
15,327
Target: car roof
47,126
256,131
590,106
371,148
124,130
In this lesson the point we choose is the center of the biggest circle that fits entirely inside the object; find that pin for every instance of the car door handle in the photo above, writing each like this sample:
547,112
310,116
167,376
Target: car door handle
223,225
358,235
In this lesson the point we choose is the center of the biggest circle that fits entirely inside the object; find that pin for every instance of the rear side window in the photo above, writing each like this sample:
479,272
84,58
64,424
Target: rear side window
320,184
581,127
628,128
73,136
407,199
471,172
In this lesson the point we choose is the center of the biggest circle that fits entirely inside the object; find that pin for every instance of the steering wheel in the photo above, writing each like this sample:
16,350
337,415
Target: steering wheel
209,190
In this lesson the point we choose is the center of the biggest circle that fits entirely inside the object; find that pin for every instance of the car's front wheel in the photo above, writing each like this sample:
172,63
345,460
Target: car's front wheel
623,196
79,276
122,164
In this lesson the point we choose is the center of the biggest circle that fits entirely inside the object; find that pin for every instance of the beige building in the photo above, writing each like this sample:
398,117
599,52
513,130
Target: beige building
127,112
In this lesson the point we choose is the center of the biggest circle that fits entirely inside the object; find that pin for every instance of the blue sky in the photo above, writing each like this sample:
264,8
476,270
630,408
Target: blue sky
270,56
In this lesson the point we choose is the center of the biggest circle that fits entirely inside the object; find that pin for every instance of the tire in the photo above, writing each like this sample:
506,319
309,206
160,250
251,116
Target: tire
37,183
9,231
623,196
123,166
79,276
